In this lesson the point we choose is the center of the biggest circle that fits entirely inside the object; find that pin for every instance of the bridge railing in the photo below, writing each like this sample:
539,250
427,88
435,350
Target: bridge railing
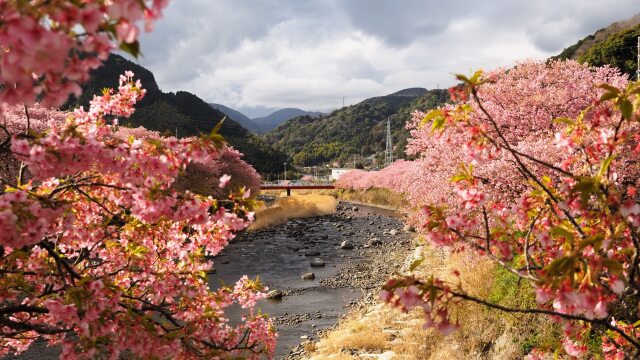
295,187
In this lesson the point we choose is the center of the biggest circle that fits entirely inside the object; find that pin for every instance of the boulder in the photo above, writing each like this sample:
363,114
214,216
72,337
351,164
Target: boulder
409,228
317,262
346,245
275,295
308,276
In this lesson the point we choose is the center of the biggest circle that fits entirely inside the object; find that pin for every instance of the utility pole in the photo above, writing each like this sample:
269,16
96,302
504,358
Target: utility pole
285,171
388,153
343,96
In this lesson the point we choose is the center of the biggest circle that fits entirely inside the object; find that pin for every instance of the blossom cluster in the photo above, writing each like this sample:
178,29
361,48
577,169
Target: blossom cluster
546,189
48,48
98,242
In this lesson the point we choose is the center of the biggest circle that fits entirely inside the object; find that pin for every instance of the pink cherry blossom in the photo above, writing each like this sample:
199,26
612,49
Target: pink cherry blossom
116,253
224,180
546,189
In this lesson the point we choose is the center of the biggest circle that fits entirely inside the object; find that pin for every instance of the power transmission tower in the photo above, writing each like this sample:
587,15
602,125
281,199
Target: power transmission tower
638,68
388,153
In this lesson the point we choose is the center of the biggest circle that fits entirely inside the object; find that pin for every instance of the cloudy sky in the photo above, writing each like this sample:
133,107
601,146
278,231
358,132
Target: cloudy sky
261,55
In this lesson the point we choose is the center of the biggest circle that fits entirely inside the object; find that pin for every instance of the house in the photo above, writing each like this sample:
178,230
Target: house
336,173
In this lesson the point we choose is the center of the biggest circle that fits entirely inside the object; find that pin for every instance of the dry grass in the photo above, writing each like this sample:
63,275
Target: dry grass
355,334
290,207
374,196
485,334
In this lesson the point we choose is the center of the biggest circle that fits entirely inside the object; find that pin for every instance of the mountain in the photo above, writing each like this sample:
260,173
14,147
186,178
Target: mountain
615,45
276,118
180,113
353,130
237,116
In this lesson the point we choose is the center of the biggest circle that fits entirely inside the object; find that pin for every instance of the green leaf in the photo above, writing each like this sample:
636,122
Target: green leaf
131,48
563,120
614,266
560,266
218,126
604,166
431,115
437,116
476,76
562,232
608,96
415,264
626,108
611,88
465,173
438,123
586,186
595,240
462,78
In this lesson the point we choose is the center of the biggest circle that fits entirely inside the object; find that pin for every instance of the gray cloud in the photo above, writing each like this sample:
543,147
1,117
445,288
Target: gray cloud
260,55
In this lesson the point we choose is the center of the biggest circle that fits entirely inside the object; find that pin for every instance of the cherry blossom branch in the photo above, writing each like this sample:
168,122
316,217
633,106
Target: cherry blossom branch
493,257
60,261
40,329
527,259
23,166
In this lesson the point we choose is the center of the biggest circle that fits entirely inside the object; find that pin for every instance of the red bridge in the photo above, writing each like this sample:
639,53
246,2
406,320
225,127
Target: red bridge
295,187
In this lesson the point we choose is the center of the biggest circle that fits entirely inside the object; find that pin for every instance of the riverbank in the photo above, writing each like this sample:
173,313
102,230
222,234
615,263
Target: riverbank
373,330
359,246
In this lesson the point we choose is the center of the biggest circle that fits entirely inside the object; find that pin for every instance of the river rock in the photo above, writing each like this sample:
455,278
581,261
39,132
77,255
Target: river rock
317,262
346,245
393,232
355,208
374,242
409,228
275,295
308,276
310,253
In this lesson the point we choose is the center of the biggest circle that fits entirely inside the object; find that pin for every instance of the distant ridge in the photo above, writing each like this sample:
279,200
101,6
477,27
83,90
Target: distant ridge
181,113
276,118
236,116
353,130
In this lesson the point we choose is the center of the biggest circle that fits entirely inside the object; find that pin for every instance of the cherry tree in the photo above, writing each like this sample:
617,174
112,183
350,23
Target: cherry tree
99,251
49,47
548,193
98,244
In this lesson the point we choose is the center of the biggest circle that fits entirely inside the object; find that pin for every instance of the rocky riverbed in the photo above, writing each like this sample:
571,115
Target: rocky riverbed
317,268
353,252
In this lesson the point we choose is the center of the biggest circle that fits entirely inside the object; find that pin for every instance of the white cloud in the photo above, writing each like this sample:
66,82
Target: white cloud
261,55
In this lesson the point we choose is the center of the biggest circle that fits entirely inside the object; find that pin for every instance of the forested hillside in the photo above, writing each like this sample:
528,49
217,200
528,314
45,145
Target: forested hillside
180,113
615,45
354,130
